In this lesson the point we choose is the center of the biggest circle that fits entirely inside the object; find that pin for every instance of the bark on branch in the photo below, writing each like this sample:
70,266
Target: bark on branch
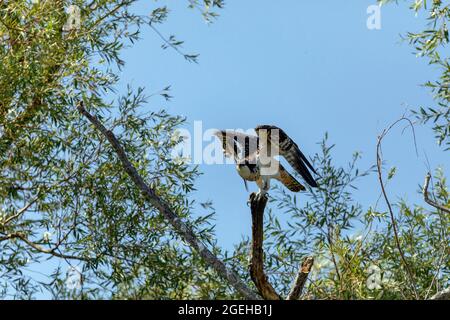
185,232
301,278
259,278
53,252
427,198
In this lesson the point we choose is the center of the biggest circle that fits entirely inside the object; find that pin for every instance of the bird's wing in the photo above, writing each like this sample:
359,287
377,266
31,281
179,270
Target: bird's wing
291,152
237,145
289,181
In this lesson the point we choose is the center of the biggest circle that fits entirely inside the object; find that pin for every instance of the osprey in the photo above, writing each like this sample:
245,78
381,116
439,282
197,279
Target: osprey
255,157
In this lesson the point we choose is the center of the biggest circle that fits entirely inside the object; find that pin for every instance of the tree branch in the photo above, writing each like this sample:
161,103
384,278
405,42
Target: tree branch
40,249
428,200
186,233
257,205
300,281
259,278
21,211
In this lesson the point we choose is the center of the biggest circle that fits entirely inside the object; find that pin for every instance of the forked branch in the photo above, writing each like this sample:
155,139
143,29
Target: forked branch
259,278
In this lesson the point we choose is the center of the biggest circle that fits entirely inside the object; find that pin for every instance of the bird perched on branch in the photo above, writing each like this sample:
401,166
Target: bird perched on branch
255,157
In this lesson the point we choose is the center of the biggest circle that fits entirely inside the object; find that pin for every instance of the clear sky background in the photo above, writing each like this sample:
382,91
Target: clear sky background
309,67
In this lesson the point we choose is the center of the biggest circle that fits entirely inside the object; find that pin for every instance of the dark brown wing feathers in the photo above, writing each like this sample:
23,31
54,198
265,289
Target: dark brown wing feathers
291,152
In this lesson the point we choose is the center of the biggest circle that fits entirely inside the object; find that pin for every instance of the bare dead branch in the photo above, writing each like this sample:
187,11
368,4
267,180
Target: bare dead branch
258,205
21,211
186,233
427,198
301,278
259,278
388,203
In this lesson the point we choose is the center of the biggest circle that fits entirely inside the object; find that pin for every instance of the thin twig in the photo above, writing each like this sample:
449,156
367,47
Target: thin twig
438,270
21,211
188,57
37,247
333,257
259,278
388,203
426,196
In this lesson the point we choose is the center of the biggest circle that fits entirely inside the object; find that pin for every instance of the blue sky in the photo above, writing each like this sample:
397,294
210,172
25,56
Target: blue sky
309,67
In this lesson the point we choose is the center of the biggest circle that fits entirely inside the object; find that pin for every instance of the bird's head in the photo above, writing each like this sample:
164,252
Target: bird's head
266,131
264,127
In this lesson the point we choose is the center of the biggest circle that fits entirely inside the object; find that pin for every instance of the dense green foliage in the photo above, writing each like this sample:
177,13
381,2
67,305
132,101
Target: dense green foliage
63,193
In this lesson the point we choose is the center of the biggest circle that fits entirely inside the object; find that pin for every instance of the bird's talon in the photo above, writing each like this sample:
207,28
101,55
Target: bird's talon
257,197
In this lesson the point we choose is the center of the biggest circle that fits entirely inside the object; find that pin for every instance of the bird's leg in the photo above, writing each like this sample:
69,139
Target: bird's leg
264,186
257,197
261,195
